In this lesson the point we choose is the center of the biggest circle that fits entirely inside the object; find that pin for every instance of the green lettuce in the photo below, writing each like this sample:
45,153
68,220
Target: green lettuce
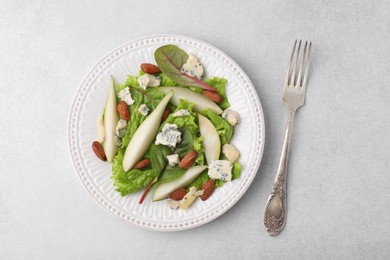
236,171
134,180
166,81
220,85
189,122
198,146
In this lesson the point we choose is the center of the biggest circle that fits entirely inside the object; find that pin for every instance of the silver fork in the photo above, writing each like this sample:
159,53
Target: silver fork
294,92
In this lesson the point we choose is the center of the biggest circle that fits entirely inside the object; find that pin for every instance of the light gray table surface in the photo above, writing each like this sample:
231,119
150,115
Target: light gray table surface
339,185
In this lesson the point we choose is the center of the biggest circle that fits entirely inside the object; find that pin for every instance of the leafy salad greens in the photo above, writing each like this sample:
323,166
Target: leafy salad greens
182,72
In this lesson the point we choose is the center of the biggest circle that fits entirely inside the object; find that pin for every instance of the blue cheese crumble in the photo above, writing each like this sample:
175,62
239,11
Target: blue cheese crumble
193,67
231,116
121,128
148,80
143,110
181,112
120,131
117,141
169,135
173,159
185,202
221,170
125,96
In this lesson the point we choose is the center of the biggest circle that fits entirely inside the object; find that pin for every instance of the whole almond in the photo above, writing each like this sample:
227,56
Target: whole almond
123,111
178,194
166,113
208,189
214,96
150,68
142,164
99,151
188,160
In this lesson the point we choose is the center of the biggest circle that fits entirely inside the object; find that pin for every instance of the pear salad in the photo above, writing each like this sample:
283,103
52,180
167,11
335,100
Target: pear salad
168,130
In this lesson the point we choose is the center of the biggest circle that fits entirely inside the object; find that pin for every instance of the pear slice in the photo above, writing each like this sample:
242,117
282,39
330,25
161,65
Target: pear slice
164,189
145,135
111,119
201,102
211,141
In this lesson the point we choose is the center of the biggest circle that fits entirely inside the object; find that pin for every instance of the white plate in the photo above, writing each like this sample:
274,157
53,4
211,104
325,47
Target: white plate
95,175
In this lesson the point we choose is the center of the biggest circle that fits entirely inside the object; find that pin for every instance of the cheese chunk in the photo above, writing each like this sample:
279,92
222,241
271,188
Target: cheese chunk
193,67
169,136
221,170
189,198
231,116
230,152
143,110
121,128
148,80
173,204
181,112
117,141
173,159
125,96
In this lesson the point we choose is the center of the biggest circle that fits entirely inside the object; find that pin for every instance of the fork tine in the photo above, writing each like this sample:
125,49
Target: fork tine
307,67
292,80
286,81
299,79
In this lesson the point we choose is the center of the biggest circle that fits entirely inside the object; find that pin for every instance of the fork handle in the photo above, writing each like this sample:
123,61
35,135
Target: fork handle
275,209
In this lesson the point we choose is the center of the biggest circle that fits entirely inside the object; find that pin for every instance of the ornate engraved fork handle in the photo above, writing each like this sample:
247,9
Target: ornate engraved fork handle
275,209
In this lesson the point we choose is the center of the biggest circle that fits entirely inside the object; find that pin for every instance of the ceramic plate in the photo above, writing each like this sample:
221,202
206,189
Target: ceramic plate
95,175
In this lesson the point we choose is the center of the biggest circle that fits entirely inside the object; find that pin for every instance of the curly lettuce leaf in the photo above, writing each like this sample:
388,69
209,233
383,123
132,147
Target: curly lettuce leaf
134,180
130,81
166,81
188,122
220,85
198,146
236,170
